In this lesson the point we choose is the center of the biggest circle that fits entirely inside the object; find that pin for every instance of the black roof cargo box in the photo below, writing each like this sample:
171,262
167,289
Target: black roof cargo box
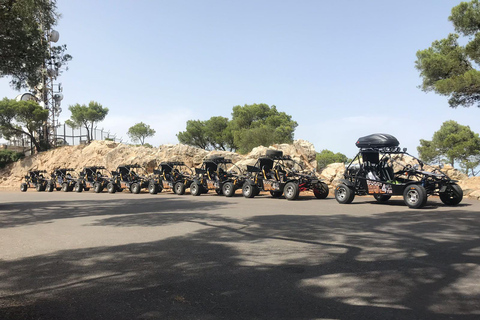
377,140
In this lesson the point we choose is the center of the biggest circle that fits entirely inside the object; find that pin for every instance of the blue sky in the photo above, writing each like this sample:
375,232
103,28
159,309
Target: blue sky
342,69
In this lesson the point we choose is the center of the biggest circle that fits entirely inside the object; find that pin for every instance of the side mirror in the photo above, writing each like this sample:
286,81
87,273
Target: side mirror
404,149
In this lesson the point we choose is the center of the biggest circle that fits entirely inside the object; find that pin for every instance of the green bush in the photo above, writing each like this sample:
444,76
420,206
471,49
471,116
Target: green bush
9,156
326,157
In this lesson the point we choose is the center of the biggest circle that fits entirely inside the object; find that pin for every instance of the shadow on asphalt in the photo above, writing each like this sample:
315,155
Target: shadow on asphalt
28,213
411,264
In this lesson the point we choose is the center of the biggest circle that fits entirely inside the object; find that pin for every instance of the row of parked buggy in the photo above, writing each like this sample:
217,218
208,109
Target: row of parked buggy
275,172
371,172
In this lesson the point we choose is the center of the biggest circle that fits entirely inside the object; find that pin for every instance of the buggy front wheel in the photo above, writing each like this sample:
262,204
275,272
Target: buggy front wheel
291,191
135,188
276,194
23,187
415,196
111,188
249,190
452,196
65,187
344,194
228,189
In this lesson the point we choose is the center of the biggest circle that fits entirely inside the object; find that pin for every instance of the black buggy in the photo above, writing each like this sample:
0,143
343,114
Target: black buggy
125,177
95,178
219,174
173,175
34,179
280,174
373,172
62,179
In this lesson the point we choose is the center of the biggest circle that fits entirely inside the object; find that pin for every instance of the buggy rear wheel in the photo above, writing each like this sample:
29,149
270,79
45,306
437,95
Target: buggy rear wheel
381,198
23,187
135,188
249,190
39,186
228,189
291,191
415,196
97,187
322,191
452,196
49,187
344,194
65,187
78,187
195,189
152,187
179,188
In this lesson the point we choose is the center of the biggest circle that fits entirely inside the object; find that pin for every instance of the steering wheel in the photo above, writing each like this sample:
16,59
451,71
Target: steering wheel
408,168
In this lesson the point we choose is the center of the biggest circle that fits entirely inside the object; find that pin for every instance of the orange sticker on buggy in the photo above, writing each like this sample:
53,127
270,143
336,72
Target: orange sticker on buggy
167,184
378,187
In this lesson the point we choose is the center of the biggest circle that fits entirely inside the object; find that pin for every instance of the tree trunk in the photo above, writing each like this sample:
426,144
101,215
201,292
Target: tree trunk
88,133
36,144
91,131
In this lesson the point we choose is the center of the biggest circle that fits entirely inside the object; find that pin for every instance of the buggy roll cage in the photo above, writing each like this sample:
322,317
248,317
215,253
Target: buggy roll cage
266,166
213,165
168,167
376,159
127,171
62,171
91,171
34,173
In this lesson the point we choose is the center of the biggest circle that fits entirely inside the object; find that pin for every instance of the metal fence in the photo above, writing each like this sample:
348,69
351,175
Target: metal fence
66,135
63,136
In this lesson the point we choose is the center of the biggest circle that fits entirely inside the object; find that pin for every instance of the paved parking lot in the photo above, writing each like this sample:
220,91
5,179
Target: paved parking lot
126,256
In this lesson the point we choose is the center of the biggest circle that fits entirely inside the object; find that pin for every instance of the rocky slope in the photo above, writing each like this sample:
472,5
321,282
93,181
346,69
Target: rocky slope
110,155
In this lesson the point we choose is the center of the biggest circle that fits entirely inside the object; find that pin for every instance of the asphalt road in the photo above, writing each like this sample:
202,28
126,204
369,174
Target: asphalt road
126,256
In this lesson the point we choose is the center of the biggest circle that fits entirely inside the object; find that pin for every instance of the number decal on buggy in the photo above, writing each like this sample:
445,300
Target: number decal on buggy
378,187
